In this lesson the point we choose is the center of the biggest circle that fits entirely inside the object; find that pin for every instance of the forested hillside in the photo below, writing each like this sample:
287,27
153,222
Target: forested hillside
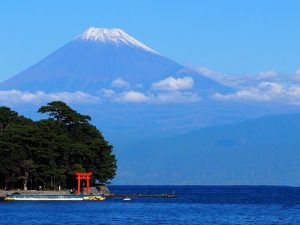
48,152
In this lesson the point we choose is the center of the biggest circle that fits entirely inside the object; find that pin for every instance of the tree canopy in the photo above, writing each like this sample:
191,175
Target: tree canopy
48,152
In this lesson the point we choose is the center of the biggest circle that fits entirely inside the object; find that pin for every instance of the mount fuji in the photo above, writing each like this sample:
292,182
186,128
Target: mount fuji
139,98
100,58
141,88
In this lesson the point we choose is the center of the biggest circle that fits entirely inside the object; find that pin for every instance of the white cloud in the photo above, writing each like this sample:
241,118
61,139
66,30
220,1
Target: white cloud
219,77
267,75
77,97
119,83
249,94
245,80
12,97
174,84
163,97
265,92
206,72
271,87
132,96
294,91
266,86
177,96
16,96
296,76
107,93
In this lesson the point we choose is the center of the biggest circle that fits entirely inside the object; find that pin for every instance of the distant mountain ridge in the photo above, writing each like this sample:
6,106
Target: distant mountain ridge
259,151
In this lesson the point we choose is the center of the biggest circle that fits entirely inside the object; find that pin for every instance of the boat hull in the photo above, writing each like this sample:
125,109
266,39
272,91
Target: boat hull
53,198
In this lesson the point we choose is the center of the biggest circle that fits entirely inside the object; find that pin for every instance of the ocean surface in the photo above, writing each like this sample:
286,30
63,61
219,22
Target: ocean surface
193,205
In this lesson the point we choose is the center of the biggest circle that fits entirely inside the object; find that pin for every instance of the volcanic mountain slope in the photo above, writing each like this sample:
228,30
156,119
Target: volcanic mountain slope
95,59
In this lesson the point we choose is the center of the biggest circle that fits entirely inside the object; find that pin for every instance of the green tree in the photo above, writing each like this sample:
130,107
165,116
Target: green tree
48,152
87,149
60,111
28,166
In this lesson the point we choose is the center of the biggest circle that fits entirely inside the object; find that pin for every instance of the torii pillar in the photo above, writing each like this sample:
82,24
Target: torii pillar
83,176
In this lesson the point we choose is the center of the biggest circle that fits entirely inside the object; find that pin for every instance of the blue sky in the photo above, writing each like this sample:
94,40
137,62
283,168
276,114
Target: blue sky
232,37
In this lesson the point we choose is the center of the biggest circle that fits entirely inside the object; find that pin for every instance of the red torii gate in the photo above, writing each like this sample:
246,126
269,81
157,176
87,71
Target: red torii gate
83,176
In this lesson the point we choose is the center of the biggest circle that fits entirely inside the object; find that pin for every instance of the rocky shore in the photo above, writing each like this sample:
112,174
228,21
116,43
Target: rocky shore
103,189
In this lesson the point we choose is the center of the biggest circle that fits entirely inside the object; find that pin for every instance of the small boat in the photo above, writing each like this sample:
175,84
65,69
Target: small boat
94,198
126,199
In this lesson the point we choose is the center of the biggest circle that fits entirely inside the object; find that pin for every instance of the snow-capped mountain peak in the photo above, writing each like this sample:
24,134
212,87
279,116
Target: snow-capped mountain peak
114,35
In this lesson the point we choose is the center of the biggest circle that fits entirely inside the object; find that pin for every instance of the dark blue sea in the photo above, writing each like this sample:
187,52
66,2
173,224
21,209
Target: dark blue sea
193,205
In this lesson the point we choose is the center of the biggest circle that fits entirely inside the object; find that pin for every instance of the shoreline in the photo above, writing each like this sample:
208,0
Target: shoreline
103,190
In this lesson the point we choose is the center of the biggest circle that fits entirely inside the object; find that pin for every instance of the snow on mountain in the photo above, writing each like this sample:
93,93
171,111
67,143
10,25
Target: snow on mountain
114,35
